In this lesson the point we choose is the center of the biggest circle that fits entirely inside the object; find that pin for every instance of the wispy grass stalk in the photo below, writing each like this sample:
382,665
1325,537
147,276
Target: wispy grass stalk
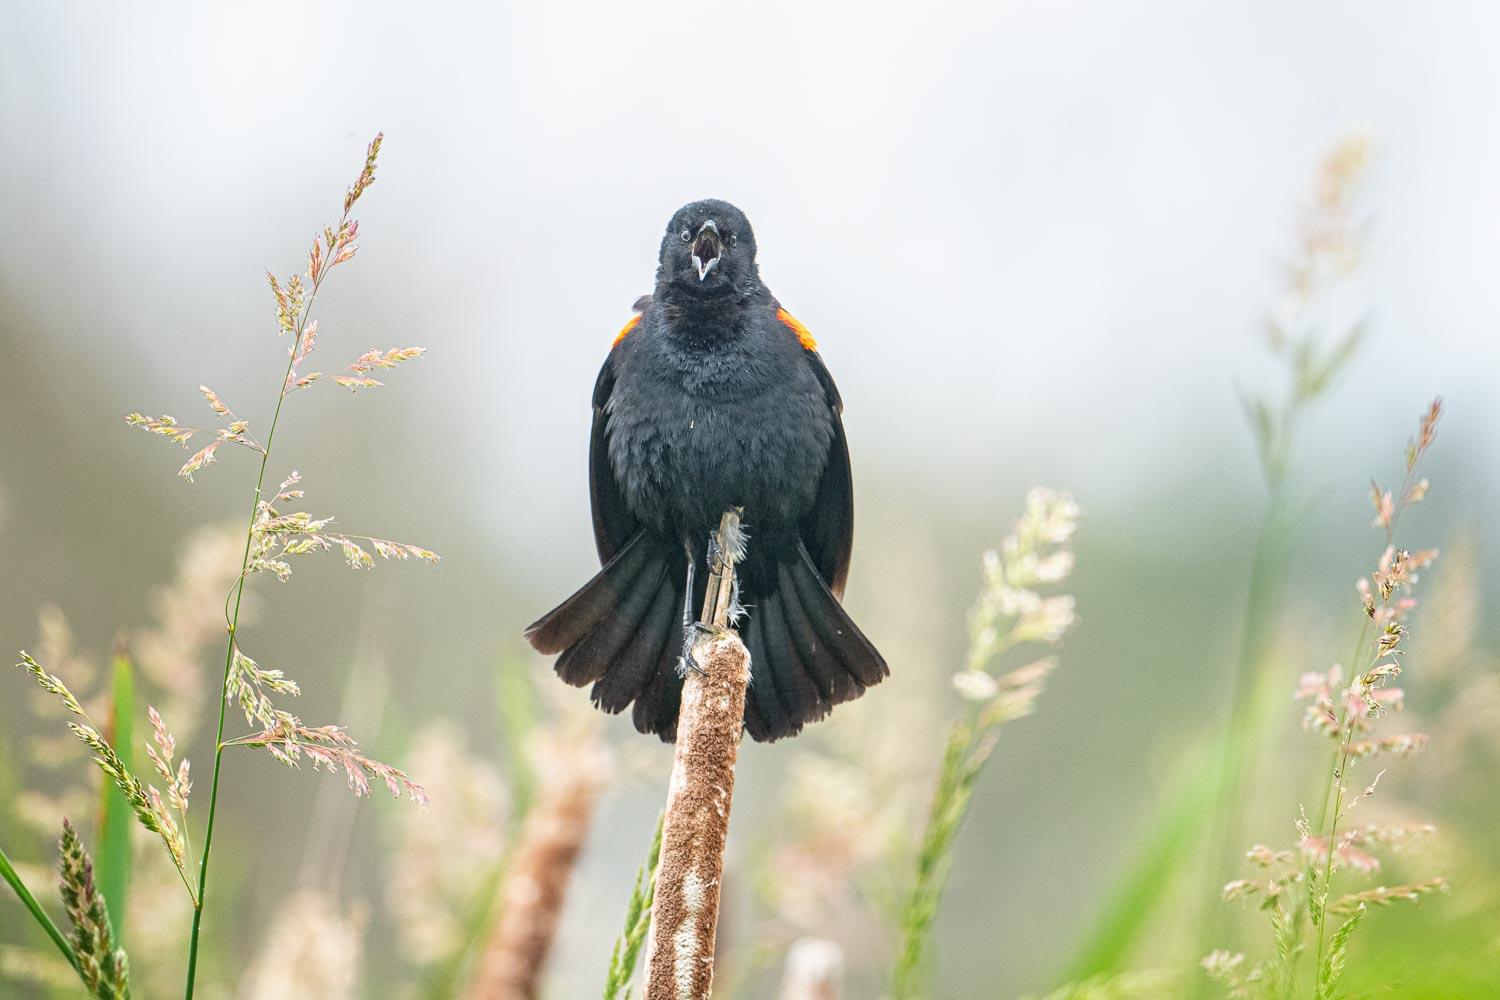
1009,613
1364,699
1330,245
145,802
234,623
271,536
1295,886
1198,823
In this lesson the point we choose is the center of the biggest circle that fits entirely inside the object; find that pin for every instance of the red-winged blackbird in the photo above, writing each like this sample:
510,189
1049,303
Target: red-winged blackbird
714,396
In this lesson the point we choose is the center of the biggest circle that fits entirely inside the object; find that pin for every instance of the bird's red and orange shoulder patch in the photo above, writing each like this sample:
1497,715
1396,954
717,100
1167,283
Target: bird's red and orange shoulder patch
804,336
635,321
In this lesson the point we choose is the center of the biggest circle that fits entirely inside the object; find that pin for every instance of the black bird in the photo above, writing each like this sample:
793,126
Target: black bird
714,396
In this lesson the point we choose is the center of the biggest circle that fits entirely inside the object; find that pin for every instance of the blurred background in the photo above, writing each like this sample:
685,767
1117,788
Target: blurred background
1038,244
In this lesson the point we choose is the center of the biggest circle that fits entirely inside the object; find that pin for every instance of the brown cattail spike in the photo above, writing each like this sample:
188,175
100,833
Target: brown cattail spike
684,920
536,881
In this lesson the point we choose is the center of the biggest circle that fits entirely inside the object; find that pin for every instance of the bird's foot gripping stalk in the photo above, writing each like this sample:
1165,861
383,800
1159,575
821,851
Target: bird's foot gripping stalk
721,598
690,633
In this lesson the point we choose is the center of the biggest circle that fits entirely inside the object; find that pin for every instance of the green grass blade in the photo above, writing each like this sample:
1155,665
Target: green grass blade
1177,829
627,950
112,852
1181,833
8,872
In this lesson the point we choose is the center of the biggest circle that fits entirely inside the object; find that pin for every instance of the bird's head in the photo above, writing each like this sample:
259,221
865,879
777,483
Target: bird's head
708,249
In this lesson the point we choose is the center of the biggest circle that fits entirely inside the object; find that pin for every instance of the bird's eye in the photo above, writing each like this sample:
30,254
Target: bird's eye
733,239
686,236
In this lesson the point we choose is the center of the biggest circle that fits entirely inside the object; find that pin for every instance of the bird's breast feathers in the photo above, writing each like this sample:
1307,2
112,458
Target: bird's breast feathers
741,425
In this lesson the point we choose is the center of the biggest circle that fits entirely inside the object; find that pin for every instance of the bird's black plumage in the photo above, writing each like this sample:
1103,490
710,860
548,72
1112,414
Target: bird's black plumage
715,397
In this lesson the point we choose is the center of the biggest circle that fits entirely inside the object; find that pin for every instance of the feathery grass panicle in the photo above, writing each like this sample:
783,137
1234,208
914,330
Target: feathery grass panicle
102,966
145,801
336,244
1228,970
364,180
160,753
50,683
248,684
1331,241
273,536
277,536
1295,887
1382,895
1011,611
289,741
355,375
233,431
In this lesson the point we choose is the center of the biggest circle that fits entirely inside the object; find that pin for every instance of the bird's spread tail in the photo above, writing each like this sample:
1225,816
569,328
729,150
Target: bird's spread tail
806,653
621,632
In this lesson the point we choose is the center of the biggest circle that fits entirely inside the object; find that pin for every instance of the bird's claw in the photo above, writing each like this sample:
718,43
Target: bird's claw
689,637
688,662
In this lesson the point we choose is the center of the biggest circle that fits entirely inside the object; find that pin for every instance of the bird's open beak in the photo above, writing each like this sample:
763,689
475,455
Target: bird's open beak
706,249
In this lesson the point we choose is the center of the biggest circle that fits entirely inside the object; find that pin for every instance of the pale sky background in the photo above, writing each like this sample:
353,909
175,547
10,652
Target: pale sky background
993,216
1034,241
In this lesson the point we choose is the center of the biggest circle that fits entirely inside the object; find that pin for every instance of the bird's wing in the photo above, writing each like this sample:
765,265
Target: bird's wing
614,524
828,528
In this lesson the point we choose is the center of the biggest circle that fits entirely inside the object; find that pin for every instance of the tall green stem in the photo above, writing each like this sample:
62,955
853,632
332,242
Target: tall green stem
1326,887
234,623
1266,581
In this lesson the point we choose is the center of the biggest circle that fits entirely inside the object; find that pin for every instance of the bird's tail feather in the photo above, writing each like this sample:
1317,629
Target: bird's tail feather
806,653
575,618
621,633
